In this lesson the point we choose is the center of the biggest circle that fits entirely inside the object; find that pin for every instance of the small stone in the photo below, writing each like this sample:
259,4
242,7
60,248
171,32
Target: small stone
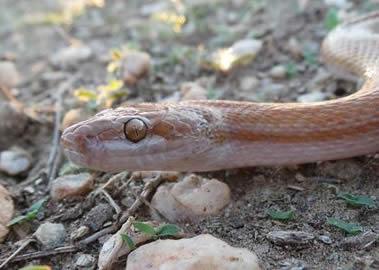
85,260
6,211
203,252
293,264
342,4
71,56
14,161
325,239
294,48
192,198
246,47
71,185
9,76
97,216
290,237
79,233
153,8
278,72
249,83
192,91
135,65
74,116
312,97
51,234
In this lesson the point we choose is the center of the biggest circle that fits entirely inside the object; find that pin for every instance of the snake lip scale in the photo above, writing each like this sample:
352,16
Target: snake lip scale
215,135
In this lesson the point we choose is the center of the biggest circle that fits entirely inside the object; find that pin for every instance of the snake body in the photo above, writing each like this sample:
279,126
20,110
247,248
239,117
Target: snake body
214,135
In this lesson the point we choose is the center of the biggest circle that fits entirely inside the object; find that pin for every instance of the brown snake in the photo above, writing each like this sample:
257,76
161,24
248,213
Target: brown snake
214,135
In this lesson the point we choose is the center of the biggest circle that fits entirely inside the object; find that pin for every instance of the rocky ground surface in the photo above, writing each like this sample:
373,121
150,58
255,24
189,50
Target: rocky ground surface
68,59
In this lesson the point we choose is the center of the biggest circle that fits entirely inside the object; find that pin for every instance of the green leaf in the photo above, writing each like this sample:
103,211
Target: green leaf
357,200
331,19
31,213
281,215
168,230
36,267
349,228
129,241
144,227
291,70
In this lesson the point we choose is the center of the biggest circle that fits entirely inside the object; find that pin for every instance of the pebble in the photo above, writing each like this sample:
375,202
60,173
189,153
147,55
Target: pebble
71,56
9,76
325,239
241,52
203,252
249,83
342,4
79,233
71,185
294,48
51,234
278,72
247,47
150,9
85,260
14,161
74,116
135,65
312,97
192,198
6,211
97,216
290,237
192,91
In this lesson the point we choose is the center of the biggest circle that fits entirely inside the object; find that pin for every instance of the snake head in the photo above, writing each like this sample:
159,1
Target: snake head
139,137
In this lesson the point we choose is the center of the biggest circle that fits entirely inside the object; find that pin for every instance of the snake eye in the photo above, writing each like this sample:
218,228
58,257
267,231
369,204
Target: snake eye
135,130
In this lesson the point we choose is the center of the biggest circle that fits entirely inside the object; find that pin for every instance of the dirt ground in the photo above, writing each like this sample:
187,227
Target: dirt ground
30,37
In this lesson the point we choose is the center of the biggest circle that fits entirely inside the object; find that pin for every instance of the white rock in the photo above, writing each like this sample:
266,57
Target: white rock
6,211
149,9
9,76
51,234
312,97
203,252
249,83
278,72
85,260
71,185
247,47
192,198
14,161
343,4
71,56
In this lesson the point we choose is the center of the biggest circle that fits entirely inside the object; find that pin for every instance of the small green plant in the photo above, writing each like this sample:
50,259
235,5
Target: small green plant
291,70
310,57
281,215
30,215
331,19
155,232
349,228
357,200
